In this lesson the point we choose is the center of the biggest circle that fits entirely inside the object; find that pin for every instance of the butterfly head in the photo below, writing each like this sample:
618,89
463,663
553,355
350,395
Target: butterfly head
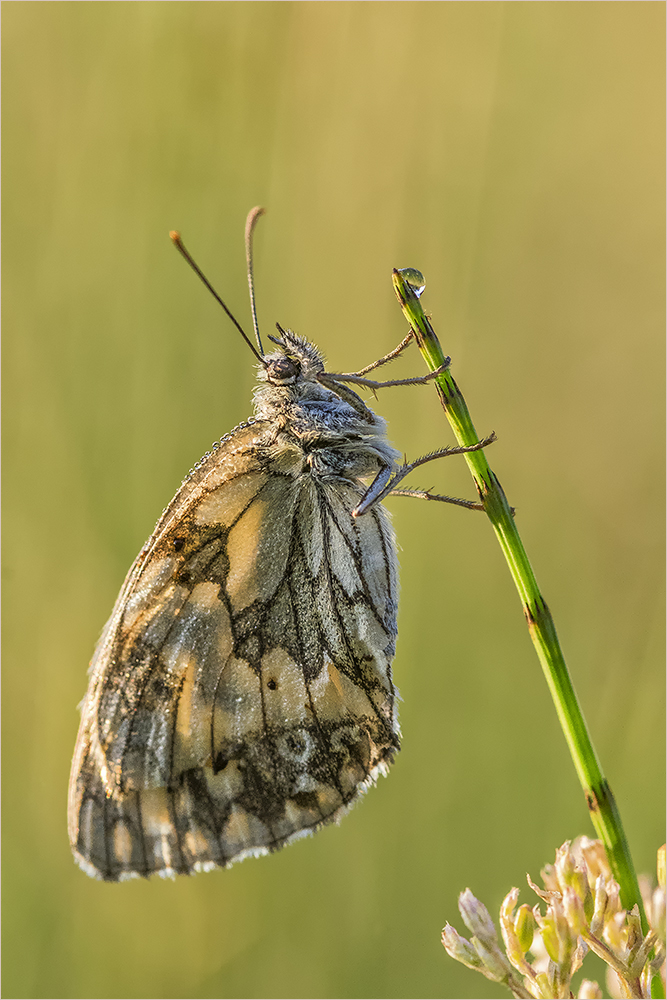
293,382
297,363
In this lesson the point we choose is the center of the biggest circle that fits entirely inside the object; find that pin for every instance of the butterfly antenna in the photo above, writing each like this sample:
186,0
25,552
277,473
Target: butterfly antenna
250,224
180,246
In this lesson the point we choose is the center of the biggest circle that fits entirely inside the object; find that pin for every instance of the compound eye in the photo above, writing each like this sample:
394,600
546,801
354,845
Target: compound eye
283,371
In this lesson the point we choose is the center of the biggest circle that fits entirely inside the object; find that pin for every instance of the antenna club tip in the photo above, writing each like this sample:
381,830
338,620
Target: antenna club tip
175,236
253,216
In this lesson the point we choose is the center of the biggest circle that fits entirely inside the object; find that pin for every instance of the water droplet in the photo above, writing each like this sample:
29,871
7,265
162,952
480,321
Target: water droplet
414,278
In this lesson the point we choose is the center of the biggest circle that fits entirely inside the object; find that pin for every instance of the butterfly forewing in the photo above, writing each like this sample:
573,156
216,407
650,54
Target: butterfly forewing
241,694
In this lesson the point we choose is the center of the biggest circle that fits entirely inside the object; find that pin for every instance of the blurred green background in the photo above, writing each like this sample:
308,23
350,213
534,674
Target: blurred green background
514,153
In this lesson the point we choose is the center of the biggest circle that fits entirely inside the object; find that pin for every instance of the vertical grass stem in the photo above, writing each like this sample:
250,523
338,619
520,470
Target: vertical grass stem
599,798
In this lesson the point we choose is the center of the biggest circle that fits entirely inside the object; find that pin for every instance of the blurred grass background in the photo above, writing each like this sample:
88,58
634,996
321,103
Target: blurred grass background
514,153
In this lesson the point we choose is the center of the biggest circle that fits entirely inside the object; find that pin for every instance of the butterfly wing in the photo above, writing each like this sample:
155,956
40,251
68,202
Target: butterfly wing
241,694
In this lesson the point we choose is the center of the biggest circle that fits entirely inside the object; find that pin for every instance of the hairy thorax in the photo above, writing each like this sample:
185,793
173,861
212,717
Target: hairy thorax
334,438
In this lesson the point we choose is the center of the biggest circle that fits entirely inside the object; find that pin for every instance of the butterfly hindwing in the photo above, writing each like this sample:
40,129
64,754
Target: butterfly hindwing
241,694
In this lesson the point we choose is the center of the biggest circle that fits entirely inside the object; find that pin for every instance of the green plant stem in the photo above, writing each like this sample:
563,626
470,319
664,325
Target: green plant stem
599,799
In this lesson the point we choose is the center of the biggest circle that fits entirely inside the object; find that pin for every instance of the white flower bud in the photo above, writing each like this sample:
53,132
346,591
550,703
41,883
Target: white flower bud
595,858
597,920
457,947
589,990
477,919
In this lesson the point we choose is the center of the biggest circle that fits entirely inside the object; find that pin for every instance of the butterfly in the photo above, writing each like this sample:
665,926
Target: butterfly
241,694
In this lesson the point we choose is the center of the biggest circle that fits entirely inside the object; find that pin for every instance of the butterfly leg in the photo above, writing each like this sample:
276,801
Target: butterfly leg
333,379
427,495
388,478
387,357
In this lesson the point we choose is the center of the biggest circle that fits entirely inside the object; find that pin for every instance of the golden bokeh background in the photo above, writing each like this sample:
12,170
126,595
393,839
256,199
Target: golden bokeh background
514,153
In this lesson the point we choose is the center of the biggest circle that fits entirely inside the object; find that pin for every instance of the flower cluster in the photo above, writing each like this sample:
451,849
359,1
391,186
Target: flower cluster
583,913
